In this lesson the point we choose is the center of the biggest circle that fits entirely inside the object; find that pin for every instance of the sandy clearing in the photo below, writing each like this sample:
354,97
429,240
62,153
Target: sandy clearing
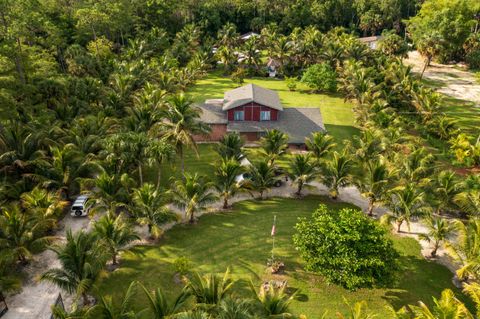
36,298
454,82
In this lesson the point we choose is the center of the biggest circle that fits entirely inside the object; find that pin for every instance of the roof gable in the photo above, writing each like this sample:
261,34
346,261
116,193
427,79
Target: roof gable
251,93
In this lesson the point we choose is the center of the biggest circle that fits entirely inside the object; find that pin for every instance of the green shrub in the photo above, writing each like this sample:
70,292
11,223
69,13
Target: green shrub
291,82
182,265
238,76
321,77
346,247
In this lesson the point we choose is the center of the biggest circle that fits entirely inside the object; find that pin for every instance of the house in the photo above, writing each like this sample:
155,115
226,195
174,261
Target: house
248,35
251,110
372,42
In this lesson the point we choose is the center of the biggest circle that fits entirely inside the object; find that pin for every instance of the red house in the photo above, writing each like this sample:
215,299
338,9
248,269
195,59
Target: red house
251,110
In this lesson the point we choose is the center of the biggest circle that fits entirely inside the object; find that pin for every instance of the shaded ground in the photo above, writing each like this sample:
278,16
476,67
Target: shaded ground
460,86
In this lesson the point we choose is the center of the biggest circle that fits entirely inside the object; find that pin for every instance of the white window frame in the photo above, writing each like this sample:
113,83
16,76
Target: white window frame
242,117
263,113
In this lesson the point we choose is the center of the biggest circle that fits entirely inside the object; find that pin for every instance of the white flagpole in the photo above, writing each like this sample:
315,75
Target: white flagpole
273,236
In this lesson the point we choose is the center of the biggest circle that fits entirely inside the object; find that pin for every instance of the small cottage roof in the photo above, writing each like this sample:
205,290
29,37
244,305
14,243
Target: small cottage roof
251,93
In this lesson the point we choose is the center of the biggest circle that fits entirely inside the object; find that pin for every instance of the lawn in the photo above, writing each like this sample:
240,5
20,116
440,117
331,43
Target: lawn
337,113
241,240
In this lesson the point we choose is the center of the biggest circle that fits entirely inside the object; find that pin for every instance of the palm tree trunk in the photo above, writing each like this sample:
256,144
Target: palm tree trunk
140,173
159,176
435,249
225,202
427,63
399,224
371,203
192,218
299,188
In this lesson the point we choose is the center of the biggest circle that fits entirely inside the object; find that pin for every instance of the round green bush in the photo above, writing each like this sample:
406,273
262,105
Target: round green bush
346,247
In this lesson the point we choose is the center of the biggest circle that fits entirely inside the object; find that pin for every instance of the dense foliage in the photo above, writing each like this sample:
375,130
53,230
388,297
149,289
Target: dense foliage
346,247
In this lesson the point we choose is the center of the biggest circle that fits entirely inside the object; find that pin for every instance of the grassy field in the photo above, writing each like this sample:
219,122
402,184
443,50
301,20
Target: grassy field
336,112
241,240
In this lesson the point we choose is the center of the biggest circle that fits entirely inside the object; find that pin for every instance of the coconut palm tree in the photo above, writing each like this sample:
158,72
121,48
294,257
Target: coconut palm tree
273,301
225,179
230,146
358,311
469,201
252,53
274,144
337,172
209,290
375,182
116,232
193,194
417,167
161,307
44,205
320,144
65,169
82,260
183,124
230,308
405,202
262,177
302,170
21,234
150,208
160,152
109,191
446,188
439,230
448,306
465,248
108,309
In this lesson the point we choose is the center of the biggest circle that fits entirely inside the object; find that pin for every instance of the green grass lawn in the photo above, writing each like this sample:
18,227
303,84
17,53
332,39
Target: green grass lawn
336,112
465,113
241,240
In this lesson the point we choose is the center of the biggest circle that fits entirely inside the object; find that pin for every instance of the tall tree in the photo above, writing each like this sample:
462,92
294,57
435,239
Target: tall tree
302,171
225,180
337,172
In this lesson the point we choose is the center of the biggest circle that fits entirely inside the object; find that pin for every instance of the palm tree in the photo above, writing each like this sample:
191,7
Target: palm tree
160,151
230,308
82,260
230,146
193,194
116,232
320,144
274,144
183,124
448,306
439,230
469,201
465,248
337,172
274,302
21,234
405,202
251,53
375,182
302,171
150,209
473,291
109,191
446,188
160,306
225,179
262,177
44,205
107,309
209,290
358,311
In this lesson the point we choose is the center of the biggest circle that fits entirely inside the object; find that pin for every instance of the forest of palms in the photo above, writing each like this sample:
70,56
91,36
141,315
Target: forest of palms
95,98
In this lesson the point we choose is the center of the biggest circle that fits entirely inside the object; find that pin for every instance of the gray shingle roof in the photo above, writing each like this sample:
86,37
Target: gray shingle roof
251,93
212,113
298,123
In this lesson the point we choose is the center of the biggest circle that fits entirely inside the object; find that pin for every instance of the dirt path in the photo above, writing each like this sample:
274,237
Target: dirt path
449,79
36,298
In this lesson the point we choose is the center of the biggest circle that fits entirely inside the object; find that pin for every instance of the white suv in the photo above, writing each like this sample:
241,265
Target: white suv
80,207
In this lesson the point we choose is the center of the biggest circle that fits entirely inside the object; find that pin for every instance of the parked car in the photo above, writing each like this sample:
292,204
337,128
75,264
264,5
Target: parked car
80,206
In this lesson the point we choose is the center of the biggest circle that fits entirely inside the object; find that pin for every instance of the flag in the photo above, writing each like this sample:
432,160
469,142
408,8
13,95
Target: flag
273,230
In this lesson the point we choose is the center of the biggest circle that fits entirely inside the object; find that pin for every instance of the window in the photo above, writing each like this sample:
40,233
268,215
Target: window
239,115
265,116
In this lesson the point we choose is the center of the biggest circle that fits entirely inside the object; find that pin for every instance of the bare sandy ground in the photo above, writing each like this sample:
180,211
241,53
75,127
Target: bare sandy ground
36,298
455,82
